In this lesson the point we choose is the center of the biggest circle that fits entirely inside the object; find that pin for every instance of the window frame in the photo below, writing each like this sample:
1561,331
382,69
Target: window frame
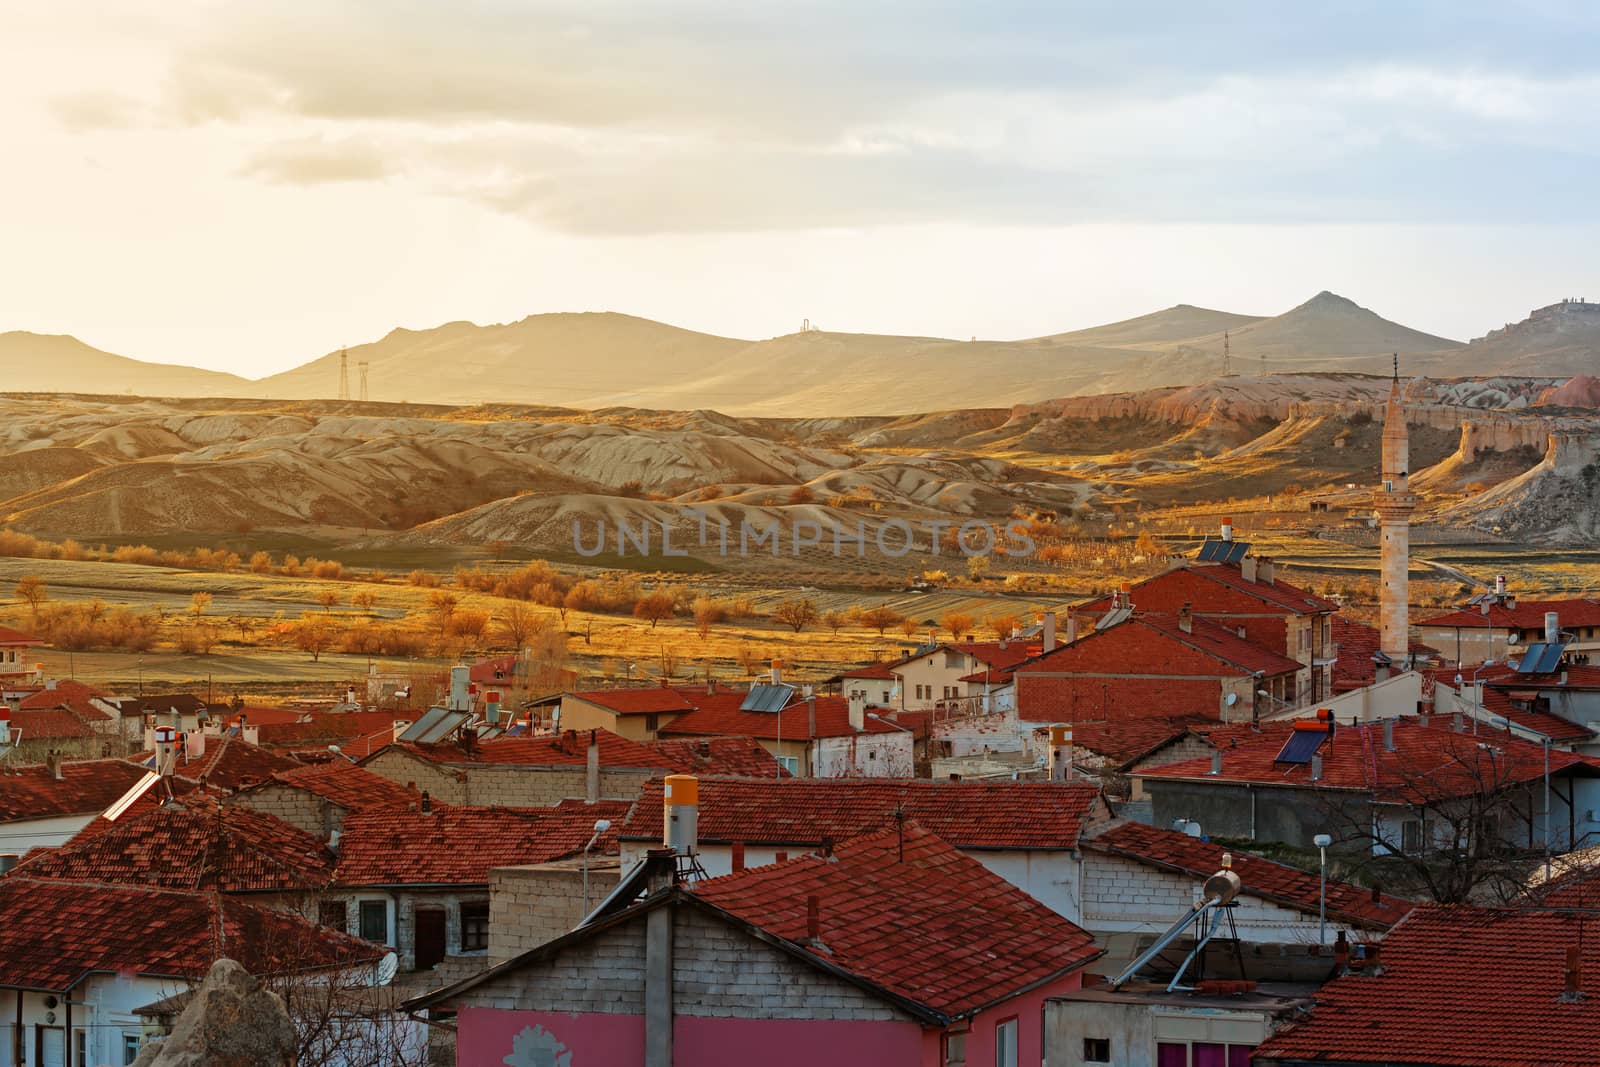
368,907
1095,1054
1012,1027
479,910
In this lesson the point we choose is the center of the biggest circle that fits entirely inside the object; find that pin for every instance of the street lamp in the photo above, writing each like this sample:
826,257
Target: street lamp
600,827
1322,841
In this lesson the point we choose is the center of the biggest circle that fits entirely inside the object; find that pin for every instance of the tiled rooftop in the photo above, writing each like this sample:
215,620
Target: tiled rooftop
1460,985
1527,615
719,713
740,756
641,701
568,749
192,845
232,763
905,911
8,636
1217,588
1126,741
1358,643
804,811
1277,882
459,846
57,932
50,724
86,787
343,783
1155,643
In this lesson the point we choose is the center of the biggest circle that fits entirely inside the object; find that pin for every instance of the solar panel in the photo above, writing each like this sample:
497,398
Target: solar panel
1301,746
1208,551
1541,658
1215,551
1113,617
452,721
767,698
1236,552
429,720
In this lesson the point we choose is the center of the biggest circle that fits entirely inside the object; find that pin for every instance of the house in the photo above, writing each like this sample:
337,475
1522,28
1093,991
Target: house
637,714
1153,664
966,677
1137,879
1110,750
43,805
59,718
17,669
183,710
875,684
889,948
1358,646
1025,832
1400,786
523,772
225,762
1562,704
811,736
1497,627
1214,1025
1458,985
1243,593
77,959
312,735
419,879
316,798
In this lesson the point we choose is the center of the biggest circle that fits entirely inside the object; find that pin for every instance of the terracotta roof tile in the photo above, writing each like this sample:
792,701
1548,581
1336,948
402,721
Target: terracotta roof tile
192,844
1527,615
804,811
1474,987
1126,741
1428,762
49,724
57,932
568,749
740,756
459,846
1353,668
1217,589
8,636
1154,643
907,912
343,783
641,701
719,714
232,763
1277,882
87,787
71,695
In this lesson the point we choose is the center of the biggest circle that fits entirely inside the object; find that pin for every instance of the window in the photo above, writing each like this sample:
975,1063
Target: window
1005,1043
130,1048
790,763
334,913
652,722
955,1050
475,926
80,1045
1097,1050
375,920
1202,1054
1411,836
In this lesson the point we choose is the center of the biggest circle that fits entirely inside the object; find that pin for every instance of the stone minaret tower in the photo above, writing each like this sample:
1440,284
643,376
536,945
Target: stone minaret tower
1394,503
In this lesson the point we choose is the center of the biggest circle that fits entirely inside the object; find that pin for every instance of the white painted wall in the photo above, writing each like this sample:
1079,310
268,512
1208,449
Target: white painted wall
20,835
886,755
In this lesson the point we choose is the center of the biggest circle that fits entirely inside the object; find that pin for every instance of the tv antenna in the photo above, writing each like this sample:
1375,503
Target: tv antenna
344,375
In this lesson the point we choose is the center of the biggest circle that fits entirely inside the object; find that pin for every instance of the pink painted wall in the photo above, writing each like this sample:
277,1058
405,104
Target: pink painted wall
1029,1012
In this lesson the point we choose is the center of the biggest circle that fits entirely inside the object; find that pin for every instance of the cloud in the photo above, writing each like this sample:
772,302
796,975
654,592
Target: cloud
317,162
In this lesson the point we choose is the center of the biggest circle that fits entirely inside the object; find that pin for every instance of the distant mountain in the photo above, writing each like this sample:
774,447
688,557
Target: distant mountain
1554,341
1327,332
51,363
1177,323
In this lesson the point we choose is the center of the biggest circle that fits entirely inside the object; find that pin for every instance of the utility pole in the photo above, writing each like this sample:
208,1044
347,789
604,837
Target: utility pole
1227,354
344,375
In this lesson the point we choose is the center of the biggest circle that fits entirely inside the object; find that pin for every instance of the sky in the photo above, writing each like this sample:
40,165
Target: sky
246,187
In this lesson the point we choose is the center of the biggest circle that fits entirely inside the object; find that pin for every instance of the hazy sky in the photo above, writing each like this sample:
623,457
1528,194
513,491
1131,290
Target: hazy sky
248,186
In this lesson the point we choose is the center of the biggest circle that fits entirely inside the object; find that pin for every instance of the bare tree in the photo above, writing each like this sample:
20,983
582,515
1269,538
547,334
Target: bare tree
796,613
31,590
880,618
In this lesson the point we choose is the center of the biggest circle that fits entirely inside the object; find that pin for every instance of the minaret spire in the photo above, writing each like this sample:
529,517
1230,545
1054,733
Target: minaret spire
1394,503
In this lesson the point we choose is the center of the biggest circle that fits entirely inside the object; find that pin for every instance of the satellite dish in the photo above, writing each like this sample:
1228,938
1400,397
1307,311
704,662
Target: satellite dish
1512,639
388,967
1232,699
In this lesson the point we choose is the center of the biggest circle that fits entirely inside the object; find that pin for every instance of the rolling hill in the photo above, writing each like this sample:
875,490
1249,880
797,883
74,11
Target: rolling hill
55,363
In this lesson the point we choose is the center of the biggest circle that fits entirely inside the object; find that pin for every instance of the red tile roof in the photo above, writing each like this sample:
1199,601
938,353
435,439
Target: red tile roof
71,695
1578,888
1427,763
232,763
804,811
49,724
1126,741
87,787
330,727
906,912
1499,683
1358,643
719,713
459,846
876,671
9,636
1277,882
192,844
740,756
640,701
1154,643
1473,987
494,671
1527,615
343,783
568,749
56,933
1217,589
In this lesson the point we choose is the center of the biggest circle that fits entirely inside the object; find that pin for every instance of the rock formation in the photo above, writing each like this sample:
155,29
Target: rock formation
230,1022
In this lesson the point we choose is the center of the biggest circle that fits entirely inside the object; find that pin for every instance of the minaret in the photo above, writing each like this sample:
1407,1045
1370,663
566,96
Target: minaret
1394,504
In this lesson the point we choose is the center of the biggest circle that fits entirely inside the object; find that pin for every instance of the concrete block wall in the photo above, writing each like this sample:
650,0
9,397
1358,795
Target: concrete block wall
300,809
604,974
438,782
1122,894
537,903
506,785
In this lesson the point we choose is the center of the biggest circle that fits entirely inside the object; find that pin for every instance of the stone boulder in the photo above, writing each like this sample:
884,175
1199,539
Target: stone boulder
230,1022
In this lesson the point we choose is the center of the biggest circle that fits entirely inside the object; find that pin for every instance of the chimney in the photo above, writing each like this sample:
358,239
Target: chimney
1552,627
1048,634
1341,953
1265,570
780,857
592,778
1247,568
811,717
1574,975
1072,626
933,637
738,856
194,744
1127,595
777,672
1186,618
813,918
1227,528
681,800
711,686
427,803
1500,585
491,707
1216,762
52,762
1316,768
166,746
858,709
1060,751
5,725
1388,735
460,680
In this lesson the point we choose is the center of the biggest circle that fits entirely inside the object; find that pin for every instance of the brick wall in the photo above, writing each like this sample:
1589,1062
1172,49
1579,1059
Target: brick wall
298,808
537,903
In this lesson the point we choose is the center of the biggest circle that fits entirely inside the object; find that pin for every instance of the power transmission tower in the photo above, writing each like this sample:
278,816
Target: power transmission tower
1227,354
344,375
362,367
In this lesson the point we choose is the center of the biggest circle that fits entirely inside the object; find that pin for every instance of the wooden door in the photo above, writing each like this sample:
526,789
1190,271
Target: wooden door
430,936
